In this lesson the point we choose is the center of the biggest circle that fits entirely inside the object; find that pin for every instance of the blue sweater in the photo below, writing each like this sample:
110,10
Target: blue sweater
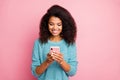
54,71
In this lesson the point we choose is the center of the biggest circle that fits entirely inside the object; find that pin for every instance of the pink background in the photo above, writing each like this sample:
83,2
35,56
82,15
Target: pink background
98,39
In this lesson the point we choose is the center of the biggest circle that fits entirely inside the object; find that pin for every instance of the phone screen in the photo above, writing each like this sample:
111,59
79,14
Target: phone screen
55,49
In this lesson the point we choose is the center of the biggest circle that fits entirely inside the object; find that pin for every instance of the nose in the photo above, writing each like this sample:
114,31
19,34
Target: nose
55,27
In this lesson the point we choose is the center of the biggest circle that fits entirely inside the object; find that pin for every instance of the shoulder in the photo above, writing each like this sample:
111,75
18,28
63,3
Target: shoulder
37,42
72,45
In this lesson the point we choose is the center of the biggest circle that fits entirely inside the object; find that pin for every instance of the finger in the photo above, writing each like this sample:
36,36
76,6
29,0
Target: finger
49,57
58,55
58,59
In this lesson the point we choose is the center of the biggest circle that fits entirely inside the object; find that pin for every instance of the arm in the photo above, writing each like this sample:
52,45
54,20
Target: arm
35,57
72,60
69,67
65,66
59,58
41,68
38,67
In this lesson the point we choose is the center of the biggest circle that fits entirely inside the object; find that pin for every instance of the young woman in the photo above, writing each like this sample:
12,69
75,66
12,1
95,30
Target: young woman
58,29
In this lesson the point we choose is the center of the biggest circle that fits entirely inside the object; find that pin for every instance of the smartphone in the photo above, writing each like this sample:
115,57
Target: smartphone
55,49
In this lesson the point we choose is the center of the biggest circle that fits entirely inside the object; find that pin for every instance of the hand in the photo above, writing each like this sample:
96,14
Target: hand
49,58
58,57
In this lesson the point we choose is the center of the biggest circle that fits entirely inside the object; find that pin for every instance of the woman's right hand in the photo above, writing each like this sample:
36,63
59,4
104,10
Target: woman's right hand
40,69
50,58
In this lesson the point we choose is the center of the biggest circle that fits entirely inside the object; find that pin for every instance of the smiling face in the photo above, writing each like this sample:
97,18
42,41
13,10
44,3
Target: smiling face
55,26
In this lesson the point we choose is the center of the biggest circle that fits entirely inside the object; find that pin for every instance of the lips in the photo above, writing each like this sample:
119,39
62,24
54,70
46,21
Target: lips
55,31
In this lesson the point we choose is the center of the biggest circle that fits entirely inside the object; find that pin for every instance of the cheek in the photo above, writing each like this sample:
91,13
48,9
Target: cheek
60,28
50,27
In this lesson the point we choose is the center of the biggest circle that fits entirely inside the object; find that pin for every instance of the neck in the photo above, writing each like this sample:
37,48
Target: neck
55,38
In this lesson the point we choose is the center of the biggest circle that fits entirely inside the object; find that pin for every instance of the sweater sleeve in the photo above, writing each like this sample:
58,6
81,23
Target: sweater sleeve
72,60
35,57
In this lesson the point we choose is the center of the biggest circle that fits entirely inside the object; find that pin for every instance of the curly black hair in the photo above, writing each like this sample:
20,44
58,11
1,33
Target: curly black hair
69,26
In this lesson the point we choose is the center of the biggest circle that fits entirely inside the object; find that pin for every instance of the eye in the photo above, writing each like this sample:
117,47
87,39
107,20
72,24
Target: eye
51,24
59,24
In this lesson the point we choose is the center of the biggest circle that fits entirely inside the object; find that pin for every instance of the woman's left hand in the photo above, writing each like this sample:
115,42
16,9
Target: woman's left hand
58,57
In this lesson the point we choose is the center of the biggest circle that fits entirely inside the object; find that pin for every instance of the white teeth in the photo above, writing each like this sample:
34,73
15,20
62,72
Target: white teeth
54,31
